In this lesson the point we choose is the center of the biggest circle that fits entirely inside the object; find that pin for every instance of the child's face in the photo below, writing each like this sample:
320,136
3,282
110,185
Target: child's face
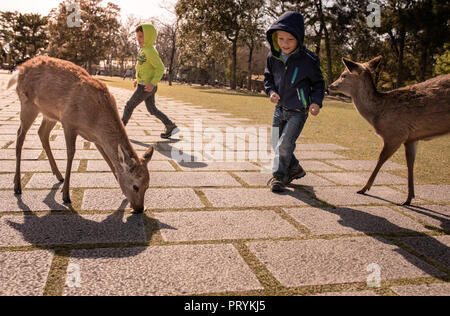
287,42
140,38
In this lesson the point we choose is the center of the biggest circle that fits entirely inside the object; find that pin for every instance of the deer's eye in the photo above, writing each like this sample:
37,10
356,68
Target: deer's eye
135,188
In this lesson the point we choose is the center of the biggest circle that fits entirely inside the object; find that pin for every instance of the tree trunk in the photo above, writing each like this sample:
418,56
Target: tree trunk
319,7
400,58
423,63
250,70
234,65
172,58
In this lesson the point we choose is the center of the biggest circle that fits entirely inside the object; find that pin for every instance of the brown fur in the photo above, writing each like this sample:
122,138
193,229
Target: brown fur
402,116
66,93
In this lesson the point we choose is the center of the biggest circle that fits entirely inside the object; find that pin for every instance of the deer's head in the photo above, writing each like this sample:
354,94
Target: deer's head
355,76
134,178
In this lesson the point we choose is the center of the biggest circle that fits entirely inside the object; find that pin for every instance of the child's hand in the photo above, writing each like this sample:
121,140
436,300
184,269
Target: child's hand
274,97
135,83
149,87
314,109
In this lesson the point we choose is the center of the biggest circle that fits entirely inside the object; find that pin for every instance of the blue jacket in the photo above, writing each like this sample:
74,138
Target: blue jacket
299,82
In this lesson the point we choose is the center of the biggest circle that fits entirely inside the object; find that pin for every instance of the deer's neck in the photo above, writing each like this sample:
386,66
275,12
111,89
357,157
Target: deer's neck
110,144
366,99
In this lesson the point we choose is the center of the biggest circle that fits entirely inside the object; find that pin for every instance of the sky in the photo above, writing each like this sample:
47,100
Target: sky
141,8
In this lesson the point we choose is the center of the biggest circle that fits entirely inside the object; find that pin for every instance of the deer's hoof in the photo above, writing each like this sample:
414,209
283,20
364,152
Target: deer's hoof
362,192
67,202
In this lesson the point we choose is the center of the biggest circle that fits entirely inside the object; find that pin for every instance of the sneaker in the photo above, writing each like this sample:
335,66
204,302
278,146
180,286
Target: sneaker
295,173
276,185
170,131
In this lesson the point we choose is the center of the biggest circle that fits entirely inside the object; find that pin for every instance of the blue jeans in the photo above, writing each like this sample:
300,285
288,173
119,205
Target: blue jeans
149,97
287,126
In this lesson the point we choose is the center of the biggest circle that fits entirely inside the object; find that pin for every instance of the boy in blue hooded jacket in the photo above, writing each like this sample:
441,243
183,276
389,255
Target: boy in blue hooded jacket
295,83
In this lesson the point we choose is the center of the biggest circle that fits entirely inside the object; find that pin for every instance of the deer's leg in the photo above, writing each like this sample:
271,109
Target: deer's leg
44,134
410,150
27,117
71,138
108,161
388,150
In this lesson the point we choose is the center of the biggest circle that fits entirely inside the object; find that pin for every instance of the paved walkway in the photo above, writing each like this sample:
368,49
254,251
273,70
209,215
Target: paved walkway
211,225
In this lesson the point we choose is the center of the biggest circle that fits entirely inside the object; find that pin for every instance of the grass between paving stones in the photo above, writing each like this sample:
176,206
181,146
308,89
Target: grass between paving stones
339,123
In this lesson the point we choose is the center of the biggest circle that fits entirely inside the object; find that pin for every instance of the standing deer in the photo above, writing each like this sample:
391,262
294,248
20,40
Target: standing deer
64,92
402,116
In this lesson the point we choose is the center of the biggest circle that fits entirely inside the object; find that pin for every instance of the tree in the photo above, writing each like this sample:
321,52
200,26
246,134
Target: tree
226,17
26,34
92,41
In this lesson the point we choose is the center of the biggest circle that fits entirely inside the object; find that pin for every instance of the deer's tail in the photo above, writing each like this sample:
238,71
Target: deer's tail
13,80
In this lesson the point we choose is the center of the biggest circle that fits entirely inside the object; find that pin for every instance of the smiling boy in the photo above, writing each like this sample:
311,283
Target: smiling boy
149,71
295,83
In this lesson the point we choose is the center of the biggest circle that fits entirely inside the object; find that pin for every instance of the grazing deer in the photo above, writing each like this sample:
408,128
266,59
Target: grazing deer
64,92
402,116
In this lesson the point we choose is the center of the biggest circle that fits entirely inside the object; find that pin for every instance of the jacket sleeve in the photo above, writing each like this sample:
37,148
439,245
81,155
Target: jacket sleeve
269,82
317,84
154,77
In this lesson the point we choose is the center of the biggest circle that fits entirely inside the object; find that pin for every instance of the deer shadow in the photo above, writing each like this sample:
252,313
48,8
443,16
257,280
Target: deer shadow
124,235
384,231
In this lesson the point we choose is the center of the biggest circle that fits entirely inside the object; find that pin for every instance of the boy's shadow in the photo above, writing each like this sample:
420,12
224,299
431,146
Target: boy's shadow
68,229
183,159
384,231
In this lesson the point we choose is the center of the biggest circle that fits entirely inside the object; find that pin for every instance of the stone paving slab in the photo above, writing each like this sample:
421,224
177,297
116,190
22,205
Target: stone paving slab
154,199
361,178
329,147
24,273
7,181
436,193
102,166
255,198
77,180
31,201
218,166
365,165
223,225
58,230
308,155
348,195
350,220
436,289
350,293
341,260
261,179
79,154
27,154
165,270
192,179
436,215
36,165
437,248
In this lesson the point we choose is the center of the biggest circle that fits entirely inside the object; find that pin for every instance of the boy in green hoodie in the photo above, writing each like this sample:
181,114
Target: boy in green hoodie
149,71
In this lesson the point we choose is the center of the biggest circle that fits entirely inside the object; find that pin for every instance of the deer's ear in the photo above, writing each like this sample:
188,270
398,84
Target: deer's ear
351,66
148,155
374,63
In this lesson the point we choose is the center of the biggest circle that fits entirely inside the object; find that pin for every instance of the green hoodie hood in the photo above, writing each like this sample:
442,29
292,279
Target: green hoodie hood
150,35
149,68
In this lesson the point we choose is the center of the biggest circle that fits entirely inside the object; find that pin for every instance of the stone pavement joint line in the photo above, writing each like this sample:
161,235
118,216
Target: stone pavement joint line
213,227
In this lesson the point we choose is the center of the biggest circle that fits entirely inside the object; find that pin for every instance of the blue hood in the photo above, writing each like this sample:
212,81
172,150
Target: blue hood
291,22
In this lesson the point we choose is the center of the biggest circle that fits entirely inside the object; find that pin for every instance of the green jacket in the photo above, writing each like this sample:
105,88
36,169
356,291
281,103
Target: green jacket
149,68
